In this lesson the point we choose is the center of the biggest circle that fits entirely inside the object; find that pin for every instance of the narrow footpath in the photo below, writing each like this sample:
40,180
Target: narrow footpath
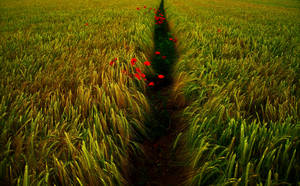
160,166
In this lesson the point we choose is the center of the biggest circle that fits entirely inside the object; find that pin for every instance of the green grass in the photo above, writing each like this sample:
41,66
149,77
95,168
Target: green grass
67,117
241,90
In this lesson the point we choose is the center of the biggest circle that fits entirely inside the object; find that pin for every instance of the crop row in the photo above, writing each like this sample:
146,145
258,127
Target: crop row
238,80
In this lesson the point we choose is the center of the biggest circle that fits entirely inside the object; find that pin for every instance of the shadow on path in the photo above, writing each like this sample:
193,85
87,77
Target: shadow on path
159,166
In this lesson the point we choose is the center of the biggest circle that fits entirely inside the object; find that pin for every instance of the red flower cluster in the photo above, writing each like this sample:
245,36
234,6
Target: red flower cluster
113,61
159,20
137,76
138,73
219,30
174,40
86,24
147,63
138,70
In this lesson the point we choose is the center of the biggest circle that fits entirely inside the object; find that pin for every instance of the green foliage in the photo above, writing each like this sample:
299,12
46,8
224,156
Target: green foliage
241,66
68,117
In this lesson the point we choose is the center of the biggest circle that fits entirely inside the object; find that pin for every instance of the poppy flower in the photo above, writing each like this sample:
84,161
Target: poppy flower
157,53
145,79
170,39
86,24
138,70
160,22
219,30
137,76
142,75
145,7
116,59
111,63
151,83
147,63
164,57
133,61
161,76
154,9
150,8
138,8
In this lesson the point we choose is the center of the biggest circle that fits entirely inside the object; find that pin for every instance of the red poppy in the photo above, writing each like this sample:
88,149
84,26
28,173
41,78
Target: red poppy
157,53
150,8
142,75
219,30
138,70
116,59
111,63
161,76
151,83
164,57
137,76
160,22
153,8
145,79
170,39
147,63
138,8
145,7
86,24
133,61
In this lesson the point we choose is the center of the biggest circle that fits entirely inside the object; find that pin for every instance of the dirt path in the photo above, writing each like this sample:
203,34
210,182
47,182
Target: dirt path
160,164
